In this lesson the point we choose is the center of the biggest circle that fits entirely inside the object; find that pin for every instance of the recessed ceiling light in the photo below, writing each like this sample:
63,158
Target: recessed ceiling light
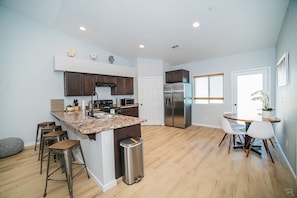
195,24
82,28
141,46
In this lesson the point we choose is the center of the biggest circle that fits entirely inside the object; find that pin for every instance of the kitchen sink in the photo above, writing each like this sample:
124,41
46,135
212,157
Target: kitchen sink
102,115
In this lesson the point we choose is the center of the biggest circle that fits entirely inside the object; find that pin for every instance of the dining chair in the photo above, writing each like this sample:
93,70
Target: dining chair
261,130
235,124
231,132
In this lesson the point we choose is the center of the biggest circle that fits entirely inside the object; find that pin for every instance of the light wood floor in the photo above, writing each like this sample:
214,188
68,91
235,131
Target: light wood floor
177,163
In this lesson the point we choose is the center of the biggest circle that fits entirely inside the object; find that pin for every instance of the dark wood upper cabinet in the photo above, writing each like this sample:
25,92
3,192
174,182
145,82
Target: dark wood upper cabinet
80,84
88,84
129,86
111,79
105,79
72,84
177,76
120,87
124,86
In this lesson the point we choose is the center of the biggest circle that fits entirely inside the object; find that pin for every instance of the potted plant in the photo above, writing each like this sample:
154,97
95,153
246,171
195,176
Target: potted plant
264,98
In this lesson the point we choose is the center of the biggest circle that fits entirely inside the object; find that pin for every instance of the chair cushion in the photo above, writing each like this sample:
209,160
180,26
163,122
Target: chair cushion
10,146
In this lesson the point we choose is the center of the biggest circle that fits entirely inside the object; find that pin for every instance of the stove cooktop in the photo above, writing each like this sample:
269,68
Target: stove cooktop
105,105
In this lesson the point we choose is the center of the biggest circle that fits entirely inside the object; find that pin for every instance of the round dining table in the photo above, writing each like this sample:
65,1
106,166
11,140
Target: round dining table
248,119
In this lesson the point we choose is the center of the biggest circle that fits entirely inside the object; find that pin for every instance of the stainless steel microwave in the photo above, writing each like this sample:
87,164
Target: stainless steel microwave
127,101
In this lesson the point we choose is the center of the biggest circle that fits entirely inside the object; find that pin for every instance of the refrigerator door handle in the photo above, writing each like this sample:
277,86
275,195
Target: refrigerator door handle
167,102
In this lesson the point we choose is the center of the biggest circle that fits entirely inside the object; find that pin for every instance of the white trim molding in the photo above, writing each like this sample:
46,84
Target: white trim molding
64,63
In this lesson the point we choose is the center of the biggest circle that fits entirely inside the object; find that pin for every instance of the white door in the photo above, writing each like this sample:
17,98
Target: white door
150,98
244,84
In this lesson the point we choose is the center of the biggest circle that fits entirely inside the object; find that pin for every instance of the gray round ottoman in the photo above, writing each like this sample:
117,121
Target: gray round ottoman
10,146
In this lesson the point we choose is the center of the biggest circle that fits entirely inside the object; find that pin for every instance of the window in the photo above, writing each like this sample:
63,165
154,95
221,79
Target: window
209,89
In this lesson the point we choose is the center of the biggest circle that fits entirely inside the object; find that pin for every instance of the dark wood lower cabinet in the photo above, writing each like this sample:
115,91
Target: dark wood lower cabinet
131,111
119,135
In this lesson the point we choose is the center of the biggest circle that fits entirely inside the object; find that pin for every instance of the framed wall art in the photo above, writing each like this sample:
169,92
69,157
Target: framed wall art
283,70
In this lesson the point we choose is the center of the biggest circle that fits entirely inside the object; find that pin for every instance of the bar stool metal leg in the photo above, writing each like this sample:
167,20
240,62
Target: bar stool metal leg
36,138
84,161
68,170
65,149
47,173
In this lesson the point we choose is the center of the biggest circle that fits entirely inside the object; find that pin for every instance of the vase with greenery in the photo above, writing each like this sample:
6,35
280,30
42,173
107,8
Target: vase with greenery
264,98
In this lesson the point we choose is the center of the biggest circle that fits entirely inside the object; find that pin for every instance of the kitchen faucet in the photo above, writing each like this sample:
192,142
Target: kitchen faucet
92,103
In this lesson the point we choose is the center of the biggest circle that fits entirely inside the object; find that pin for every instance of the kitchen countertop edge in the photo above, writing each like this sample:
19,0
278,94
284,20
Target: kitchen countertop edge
87,125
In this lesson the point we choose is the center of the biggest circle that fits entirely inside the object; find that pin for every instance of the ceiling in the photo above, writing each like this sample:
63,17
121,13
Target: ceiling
120,26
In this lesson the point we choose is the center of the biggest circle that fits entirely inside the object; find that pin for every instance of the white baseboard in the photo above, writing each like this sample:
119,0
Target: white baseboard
30,144
286,160
103,187
205,125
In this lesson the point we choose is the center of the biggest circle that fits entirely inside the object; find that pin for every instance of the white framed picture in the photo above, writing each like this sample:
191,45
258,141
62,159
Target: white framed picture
283,70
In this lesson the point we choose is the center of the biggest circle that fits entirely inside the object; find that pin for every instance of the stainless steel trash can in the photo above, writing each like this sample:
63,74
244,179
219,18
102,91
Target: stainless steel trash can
132,160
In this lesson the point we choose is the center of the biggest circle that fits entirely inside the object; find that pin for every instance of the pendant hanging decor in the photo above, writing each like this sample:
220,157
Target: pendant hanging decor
111,59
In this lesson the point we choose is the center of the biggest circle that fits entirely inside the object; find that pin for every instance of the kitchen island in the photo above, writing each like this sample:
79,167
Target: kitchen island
100,137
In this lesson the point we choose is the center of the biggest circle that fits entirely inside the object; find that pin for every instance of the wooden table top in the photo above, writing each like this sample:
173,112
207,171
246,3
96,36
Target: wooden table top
250,118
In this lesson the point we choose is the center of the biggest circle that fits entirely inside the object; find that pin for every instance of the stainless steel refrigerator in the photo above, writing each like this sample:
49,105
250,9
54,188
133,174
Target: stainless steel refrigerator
178,104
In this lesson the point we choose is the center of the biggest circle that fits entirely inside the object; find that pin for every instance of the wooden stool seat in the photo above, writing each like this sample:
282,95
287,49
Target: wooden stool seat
51,128
54,134
42,125
50,136
65,145
64,149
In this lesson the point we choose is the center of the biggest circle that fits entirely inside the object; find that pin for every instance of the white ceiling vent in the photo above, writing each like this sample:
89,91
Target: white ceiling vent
175,47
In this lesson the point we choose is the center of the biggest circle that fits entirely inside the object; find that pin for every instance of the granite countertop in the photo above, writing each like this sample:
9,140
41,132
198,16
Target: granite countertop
90,125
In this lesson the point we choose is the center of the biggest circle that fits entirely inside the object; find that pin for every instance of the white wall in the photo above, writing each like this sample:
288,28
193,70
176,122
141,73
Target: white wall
207,115
147,67
286,97
27,79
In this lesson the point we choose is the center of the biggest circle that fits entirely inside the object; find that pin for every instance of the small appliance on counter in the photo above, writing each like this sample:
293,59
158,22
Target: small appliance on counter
127,101
118,102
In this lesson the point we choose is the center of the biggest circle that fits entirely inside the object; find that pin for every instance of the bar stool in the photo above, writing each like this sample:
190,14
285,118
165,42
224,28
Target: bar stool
47,130
42,125
64,149
54,136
